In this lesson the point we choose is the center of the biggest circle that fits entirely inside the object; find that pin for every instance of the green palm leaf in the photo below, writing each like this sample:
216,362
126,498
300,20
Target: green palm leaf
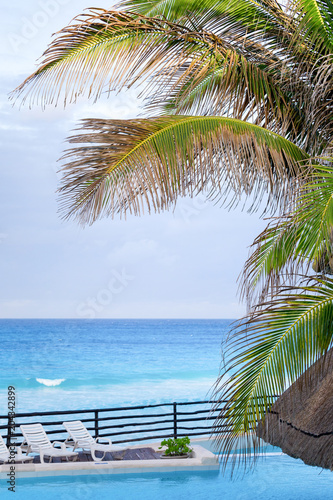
230,84
266,268
206,67
267,352
315,24
137,165
296,240
117,49
86,54
266,16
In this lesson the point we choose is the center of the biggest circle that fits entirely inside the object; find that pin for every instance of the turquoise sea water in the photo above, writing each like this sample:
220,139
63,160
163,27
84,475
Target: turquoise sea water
76,364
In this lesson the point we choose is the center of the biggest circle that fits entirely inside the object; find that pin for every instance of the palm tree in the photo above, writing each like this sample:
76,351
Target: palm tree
239,98
283,335
237,103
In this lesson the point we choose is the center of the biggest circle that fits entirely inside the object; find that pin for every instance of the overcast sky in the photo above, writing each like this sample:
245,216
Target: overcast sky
181,264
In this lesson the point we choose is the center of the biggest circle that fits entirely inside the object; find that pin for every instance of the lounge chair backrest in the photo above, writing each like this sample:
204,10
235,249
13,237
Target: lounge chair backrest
3,447
78,432
35,436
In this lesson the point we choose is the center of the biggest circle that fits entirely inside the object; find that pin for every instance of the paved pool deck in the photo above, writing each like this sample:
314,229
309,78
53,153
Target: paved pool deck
144,461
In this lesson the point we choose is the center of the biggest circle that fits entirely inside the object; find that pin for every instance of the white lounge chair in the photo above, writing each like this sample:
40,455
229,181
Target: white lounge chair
81,438
5,453
37,442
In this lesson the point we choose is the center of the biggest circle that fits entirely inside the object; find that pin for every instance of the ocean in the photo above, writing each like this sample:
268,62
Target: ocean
104,363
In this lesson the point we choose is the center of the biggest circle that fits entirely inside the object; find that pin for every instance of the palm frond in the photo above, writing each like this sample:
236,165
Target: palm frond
264,15
98,47
296,240
117,49
136,165
267,352
314,24
267,268
233,86
315,100
206,66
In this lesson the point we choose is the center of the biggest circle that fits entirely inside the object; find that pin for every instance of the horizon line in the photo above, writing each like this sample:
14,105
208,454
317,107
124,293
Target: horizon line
122,318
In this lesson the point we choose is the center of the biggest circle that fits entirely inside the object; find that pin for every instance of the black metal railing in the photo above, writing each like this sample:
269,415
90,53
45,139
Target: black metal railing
123,424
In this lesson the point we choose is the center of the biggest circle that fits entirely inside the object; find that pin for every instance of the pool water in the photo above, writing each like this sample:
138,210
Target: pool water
275,477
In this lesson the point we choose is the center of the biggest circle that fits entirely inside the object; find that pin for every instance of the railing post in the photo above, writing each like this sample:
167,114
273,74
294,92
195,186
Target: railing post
175,420
96,424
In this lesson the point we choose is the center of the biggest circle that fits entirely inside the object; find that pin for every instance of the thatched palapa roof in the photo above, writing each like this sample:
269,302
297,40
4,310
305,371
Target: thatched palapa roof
301,420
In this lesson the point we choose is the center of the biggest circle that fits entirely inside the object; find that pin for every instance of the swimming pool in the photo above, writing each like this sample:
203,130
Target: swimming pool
275,477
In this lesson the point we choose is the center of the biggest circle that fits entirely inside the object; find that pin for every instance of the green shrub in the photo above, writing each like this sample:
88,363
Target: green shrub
176,446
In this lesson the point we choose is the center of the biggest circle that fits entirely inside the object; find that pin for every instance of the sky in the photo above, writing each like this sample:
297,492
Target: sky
179,264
